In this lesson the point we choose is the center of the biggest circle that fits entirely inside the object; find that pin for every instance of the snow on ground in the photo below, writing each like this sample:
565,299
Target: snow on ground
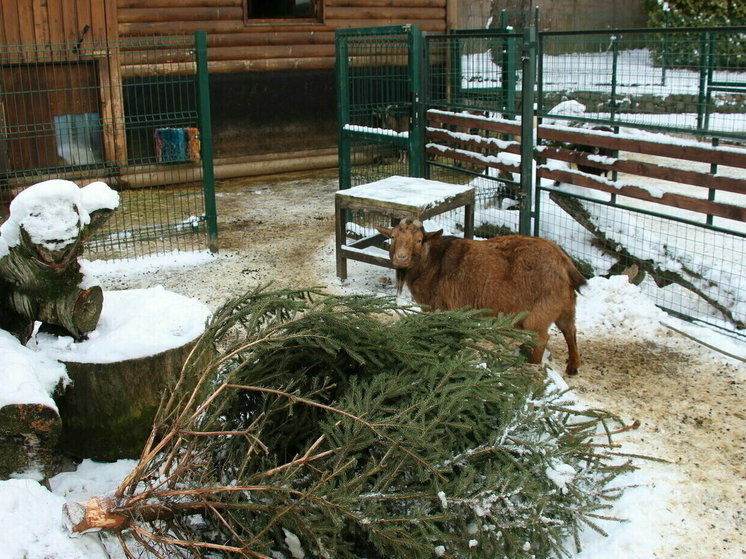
655,518
32,517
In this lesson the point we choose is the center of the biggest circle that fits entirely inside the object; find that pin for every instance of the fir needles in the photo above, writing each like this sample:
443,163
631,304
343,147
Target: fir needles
312,426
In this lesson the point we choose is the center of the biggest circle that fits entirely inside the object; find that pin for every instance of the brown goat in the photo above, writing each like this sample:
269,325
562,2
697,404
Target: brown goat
510,274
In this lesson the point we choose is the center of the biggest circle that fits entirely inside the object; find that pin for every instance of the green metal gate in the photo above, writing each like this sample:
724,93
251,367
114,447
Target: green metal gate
379,92
537,123
134,114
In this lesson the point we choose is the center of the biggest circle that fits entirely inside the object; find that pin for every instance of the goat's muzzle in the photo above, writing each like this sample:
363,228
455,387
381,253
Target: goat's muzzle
401,260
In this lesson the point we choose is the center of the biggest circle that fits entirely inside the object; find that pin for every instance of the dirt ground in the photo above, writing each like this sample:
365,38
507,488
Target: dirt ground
689,400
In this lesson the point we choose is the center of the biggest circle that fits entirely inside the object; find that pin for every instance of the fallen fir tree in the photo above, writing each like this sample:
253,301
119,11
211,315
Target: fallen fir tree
325,427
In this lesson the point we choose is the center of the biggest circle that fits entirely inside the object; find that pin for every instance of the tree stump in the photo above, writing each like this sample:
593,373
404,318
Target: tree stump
108,409
120,374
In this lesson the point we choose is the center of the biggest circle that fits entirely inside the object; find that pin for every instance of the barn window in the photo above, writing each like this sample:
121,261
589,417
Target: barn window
282,9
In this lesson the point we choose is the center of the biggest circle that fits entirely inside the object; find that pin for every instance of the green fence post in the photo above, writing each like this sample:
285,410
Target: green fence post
528,99
205,131
704,65
454,75
343,111
416,77
614,77
509,77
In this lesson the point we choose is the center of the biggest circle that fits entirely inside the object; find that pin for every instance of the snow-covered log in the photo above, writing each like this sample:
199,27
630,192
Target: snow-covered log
39,247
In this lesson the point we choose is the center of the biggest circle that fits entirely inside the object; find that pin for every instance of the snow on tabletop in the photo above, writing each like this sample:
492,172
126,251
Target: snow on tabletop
53,212
27,377
134,323
411,191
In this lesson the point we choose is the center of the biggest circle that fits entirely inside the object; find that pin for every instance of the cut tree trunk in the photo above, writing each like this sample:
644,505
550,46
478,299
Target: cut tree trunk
109,408
41,284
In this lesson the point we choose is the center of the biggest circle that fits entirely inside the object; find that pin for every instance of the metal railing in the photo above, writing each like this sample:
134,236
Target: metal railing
134,114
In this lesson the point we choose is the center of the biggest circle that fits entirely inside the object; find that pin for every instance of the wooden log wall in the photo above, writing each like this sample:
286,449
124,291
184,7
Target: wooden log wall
236,44
56,22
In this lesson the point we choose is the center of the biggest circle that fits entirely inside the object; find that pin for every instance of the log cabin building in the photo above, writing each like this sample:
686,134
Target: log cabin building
271,66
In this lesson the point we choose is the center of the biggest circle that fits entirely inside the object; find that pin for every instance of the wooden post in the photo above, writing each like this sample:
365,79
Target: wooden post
451,15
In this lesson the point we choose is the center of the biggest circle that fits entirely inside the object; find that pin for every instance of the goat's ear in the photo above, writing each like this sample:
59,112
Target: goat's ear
384,231
432,235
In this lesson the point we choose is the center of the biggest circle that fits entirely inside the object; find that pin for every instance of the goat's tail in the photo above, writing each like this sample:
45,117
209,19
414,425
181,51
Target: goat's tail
577,280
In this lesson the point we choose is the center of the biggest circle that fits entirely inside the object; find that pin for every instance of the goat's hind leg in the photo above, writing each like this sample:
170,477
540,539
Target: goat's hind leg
542,337
566,324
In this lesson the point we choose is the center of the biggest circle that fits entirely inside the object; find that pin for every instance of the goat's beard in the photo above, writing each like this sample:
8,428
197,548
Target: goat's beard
401,276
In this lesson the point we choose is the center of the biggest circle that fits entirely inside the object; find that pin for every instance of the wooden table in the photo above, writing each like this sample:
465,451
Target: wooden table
396,198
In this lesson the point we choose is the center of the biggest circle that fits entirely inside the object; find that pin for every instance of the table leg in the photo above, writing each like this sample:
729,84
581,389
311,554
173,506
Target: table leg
340,235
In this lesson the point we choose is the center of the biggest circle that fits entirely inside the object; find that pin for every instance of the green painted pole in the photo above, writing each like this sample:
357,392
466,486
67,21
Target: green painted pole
343,111
704,64
416,77
528,100
205,131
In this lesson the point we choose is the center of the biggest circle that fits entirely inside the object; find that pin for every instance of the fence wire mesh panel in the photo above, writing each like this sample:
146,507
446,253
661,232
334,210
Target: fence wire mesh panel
644,103
125,113
691,269
376,98
677,80
378,87
634,155
473,101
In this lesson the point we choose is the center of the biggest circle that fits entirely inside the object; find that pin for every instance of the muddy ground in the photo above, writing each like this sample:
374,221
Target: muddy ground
688,399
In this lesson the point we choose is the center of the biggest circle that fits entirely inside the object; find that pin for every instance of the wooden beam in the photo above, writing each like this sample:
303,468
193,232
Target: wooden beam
478,144
471,158
41,25
731,157
377,14
387,3
467,122
706,207
172,15
54,20
10,21
429,25
186,27
129,4
649,170
268,52
26,24
270,38
452,15
229,66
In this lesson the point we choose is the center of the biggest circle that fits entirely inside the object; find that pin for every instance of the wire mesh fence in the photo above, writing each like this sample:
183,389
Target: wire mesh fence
126,113
675,223
378,111
678,80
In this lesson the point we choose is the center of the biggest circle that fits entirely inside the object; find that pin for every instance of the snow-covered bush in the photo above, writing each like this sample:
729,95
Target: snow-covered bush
684,50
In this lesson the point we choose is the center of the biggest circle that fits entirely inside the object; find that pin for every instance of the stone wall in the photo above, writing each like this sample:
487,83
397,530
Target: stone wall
559,15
